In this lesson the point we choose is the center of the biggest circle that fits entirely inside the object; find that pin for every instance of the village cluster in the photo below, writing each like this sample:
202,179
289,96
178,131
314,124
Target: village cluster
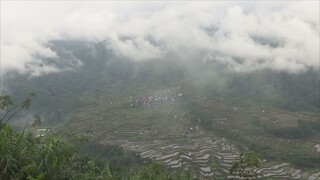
153,100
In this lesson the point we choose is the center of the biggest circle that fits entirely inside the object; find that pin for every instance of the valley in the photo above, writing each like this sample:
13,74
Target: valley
207,142
170,90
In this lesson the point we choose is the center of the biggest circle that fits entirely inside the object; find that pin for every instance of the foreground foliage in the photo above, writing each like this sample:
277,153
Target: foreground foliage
246,164
23,155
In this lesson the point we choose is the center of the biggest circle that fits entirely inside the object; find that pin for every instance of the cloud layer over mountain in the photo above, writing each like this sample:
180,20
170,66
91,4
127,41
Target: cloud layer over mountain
246,36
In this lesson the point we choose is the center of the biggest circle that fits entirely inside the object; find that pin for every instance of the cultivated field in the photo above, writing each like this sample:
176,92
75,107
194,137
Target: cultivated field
168,132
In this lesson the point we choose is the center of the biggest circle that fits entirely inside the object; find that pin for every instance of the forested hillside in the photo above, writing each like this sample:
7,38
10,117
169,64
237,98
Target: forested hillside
159,90
61,94
101,97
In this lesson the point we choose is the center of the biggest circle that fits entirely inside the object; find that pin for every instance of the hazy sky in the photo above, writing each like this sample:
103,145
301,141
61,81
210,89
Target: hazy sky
276,35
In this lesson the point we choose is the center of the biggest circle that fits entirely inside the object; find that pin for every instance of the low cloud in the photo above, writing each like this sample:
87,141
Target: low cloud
244,36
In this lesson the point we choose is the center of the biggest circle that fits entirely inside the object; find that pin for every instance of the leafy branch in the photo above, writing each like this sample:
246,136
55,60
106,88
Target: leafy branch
9,109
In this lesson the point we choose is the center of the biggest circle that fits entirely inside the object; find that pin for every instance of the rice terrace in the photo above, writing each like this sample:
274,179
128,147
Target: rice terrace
159,90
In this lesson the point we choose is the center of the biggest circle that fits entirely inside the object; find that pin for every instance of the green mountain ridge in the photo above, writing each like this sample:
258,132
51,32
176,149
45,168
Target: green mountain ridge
101,70
265,111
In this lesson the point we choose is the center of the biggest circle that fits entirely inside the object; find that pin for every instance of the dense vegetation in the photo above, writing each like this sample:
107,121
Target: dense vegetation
24,155
245,165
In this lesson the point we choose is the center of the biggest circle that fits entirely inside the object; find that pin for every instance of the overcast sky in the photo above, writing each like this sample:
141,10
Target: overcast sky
283,36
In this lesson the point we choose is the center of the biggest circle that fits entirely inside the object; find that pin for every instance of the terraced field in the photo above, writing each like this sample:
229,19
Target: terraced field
164,133
208,155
